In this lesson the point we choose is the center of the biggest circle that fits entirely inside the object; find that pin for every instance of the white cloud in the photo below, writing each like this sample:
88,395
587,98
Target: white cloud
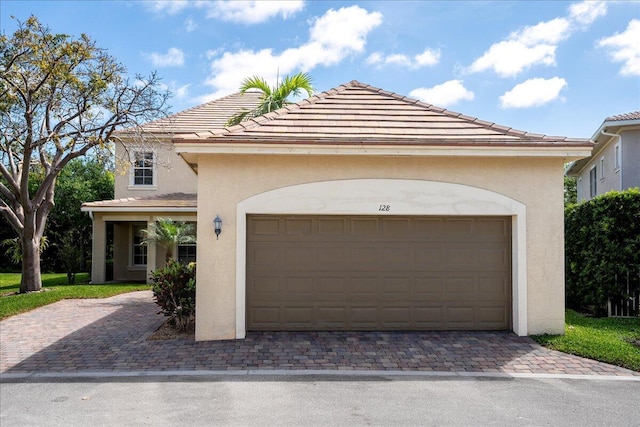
530,46
332,37
428,58
180,92
444,95
533,93
171,7
398,59
625,47
536,44
190,25
587,11
250,12
173,58
425,59
374,59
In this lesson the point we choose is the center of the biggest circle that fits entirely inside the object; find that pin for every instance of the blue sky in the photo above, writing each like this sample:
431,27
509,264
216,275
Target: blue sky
550,67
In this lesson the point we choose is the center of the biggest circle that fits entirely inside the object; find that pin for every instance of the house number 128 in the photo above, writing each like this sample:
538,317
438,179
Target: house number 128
384,208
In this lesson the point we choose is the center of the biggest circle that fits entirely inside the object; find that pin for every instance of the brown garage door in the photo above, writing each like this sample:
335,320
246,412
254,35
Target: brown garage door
378,273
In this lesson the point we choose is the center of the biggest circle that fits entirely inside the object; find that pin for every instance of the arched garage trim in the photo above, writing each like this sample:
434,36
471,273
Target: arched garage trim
402,197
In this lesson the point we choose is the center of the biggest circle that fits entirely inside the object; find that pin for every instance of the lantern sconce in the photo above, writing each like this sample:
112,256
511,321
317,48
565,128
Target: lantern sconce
217,226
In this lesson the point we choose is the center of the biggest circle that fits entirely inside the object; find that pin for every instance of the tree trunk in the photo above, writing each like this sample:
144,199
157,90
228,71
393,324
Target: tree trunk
31,278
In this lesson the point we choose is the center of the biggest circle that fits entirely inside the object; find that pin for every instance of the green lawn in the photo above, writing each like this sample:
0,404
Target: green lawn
609,340
55,288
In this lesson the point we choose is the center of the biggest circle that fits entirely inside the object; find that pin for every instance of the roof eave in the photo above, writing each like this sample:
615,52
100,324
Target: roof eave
191,149
138,209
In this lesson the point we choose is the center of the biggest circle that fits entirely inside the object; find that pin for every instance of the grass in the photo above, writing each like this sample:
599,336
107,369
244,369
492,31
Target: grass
55,288
609,340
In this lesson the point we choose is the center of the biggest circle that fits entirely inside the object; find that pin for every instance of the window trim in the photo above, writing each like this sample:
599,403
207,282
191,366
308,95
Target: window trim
617,157
133,245
152,168
602,169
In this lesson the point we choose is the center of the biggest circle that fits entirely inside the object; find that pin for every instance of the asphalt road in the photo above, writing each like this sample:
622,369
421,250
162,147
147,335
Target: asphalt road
321,401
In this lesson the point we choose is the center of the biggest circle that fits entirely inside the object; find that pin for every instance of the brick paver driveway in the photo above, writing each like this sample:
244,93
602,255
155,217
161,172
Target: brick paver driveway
110,335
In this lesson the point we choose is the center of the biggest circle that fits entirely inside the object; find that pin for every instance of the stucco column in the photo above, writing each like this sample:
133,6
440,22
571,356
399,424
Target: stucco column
98,245
151,250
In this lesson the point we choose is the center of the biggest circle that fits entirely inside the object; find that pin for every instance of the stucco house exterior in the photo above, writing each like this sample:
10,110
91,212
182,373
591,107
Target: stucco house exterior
152,181
615,161
361,209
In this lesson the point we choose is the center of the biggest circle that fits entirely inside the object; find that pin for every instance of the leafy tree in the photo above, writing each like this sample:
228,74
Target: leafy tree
61,98
570,190
82,180
272,97
168,233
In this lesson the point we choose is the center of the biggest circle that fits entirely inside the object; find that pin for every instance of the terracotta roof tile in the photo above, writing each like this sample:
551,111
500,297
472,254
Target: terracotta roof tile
211,116
356,113
634,115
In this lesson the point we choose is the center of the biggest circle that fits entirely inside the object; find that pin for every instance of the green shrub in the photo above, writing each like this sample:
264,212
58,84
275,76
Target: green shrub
174,290
602,248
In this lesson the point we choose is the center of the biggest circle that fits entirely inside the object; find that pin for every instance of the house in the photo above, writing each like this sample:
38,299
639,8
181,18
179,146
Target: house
153,182
361,209
615,161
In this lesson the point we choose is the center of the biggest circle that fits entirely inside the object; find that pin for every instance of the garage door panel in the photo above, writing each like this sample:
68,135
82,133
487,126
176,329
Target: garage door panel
297,288
364,256
265,226
396,256
378,273
363,227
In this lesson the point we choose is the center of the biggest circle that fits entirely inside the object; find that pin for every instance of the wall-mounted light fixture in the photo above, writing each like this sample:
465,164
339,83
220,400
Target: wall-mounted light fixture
217,226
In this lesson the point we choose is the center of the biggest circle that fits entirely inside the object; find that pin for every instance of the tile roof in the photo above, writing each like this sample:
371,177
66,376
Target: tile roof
634,115
156,202
211,116
356,113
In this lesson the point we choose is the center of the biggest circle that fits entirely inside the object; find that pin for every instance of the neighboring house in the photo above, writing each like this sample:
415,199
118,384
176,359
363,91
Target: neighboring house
615,161
152,181
361,209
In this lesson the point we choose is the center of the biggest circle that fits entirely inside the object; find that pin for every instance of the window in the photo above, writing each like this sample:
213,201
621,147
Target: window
143,168
187,253
602,169
139,251
617,157
593,178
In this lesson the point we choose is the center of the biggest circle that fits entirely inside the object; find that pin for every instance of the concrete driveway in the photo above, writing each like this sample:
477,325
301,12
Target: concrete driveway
109,337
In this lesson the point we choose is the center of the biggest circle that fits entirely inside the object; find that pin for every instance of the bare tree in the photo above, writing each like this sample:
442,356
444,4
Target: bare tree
60,98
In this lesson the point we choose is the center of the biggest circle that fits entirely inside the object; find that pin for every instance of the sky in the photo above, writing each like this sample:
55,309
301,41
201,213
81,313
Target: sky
549,67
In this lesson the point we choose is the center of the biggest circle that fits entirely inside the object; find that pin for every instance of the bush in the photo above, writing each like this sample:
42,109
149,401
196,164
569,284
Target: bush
174,290
602,249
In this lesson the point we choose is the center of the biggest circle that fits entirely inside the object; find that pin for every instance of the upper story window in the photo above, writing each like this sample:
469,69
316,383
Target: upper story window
602,169
143,169
617,160
593,179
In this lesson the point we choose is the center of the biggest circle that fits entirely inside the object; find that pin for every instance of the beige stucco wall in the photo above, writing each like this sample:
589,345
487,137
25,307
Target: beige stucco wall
535,182
172,173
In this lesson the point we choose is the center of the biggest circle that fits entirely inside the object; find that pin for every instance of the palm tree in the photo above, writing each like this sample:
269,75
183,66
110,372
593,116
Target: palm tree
169,233
272,97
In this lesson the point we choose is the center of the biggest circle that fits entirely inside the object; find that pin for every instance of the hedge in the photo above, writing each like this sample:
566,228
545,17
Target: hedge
602,249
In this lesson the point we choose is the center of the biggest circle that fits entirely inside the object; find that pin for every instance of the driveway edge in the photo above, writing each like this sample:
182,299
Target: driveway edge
14,377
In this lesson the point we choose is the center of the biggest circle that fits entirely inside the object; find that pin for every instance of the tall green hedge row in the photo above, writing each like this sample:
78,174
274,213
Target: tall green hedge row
602,247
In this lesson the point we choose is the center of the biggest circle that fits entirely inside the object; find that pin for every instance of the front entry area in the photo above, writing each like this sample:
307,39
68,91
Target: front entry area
360,272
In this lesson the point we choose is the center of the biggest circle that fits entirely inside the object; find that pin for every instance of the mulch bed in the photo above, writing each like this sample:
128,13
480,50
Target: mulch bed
167,332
